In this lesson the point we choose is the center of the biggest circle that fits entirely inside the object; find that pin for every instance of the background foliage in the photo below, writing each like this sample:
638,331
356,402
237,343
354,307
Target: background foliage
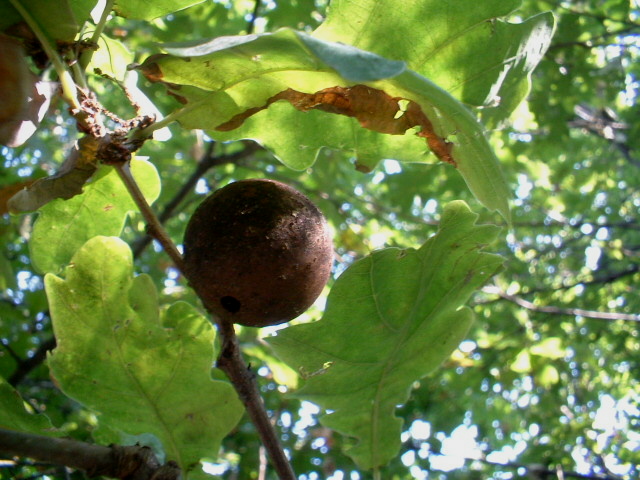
545,379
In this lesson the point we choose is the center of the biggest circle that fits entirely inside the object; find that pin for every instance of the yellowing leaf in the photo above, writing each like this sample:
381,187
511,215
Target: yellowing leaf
144,372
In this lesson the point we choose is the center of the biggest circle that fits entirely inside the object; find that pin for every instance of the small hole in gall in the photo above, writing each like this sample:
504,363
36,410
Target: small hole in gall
230,304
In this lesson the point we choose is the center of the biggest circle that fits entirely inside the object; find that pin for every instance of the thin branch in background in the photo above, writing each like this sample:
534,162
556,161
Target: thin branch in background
595,280
611,316
254,15
262,468
10,351
25,366
131,462
600,18
208,162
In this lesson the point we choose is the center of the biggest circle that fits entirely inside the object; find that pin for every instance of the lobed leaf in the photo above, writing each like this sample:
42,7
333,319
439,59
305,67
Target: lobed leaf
231,86
391,318
102,208
461,46
145,371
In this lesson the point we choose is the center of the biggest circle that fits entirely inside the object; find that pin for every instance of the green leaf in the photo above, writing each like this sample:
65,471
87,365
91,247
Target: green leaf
61,23
16,415
462,46
522,362
111,58
352,63
391,318
513,81
150,9
237,84
144,371
549,348
65,225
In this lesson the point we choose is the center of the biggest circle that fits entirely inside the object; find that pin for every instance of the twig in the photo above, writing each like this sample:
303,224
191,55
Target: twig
131,463
604,279
147,131
262,468
86,56
252,23
231,362
536,471
560,310
28,364
153,225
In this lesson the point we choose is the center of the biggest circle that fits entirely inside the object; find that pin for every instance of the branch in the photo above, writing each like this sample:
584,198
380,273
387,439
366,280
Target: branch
230,361
612,316
252,22
28,364
131,462
86,56
596,16
153,225
536,471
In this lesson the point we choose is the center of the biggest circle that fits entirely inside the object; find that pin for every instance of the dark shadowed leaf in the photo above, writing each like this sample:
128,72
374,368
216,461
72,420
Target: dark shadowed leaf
391,318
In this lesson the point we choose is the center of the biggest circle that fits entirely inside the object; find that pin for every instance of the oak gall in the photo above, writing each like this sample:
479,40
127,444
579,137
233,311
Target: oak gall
258,252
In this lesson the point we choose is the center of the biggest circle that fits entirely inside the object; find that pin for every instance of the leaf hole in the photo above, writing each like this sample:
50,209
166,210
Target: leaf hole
230,304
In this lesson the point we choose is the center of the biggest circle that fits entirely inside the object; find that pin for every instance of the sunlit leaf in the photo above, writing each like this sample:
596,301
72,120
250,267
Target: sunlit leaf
462,46
391,318
548,376
244,80
148,10
112,58
522,362
550,347
65,225
144,370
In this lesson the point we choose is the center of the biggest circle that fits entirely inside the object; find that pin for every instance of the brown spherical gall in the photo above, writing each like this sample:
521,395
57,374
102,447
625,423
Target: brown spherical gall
258,252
